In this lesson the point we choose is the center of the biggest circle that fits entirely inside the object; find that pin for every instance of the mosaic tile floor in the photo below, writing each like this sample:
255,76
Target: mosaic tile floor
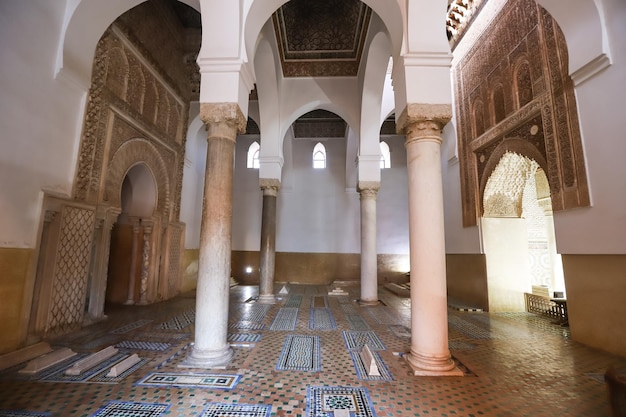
519,364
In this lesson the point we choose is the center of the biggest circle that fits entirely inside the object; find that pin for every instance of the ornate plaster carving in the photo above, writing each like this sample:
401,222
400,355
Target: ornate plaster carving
422,119
368,189
539,106
270,186
222,118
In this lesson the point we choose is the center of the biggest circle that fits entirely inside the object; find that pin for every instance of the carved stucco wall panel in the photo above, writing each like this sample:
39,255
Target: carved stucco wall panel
136,113
495,104
155,114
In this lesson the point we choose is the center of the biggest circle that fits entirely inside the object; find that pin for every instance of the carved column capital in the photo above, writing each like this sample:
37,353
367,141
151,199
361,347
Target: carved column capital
423,121
135,222
223,120
270,186
148,226
368,189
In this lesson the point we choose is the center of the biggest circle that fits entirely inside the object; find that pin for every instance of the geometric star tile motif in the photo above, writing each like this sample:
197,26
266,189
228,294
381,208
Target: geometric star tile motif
324,401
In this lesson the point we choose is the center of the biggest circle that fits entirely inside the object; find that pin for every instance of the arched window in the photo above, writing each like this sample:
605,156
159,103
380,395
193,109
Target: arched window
319,156
523,84
253,155
385,158
479,123
499,111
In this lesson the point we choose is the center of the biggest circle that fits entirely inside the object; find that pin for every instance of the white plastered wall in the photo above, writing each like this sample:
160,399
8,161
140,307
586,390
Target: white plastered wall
601,102
40,118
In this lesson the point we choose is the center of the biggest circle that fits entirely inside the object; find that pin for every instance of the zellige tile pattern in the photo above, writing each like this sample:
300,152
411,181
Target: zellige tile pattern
521,364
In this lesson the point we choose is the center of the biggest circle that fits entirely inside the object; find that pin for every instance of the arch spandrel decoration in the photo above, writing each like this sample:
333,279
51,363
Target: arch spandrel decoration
129,154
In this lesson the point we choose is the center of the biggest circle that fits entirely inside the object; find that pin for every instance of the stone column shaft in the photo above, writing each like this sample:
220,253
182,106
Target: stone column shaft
145,264
97,291
268,242
211,348
133,262
429,312
369,254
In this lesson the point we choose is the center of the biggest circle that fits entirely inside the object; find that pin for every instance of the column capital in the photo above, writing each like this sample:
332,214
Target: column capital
368,188
135,222
420,121
270,186
225,120
148,226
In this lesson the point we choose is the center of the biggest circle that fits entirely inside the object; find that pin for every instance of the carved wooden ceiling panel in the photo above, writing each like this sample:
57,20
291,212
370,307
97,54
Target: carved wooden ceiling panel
322,37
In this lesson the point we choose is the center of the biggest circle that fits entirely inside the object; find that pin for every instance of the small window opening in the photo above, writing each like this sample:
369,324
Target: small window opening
319,156
253,155
385,158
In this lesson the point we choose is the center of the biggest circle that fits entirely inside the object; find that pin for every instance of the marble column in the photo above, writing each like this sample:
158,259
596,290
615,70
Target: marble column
270,189
422,125
133,261
97,288
211,349
148,226
369,255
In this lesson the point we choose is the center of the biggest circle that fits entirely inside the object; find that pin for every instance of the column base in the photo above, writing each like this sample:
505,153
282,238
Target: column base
422,365
208,359
368,303
267,299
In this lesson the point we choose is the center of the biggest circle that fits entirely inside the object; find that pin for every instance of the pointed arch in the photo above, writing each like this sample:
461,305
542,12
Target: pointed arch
78,40
319,156
253,155
128,155
385,158
522,83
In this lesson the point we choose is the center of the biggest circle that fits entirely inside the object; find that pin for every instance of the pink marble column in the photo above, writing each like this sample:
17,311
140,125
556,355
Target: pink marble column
369,255
270,189
422,125
211,348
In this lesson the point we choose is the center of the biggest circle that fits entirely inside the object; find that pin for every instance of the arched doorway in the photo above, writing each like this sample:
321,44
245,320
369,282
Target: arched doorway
518,233
131,238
